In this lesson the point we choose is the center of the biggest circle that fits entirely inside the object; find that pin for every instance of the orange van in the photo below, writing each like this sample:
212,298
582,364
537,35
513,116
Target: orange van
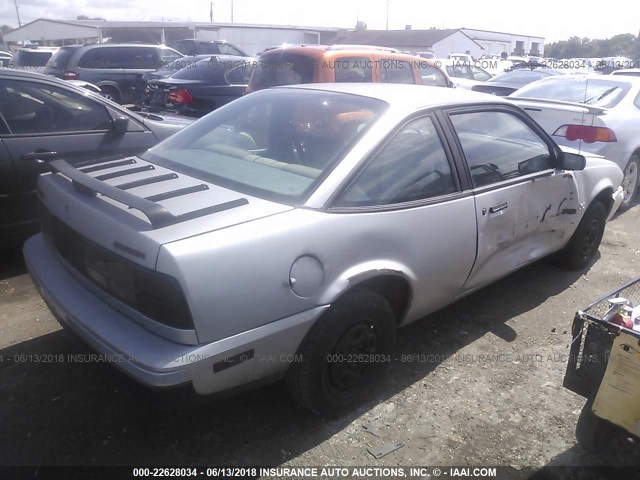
290,65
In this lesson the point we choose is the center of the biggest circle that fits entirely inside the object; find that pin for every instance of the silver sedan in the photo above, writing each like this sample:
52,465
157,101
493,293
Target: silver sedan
291,232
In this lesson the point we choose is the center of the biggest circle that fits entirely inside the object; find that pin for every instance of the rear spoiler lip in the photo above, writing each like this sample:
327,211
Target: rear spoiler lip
590,108
157,215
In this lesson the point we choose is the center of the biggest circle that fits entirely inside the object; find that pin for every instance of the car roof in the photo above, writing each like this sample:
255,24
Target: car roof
410,97
318,51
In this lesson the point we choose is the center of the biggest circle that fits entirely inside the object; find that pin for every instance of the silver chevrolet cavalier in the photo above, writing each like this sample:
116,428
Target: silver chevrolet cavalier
291,232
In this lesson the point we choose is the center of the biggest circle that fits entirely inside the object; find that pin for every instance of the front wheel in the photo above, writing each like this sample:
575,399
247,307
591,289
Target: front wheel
630,181
344,353
585,241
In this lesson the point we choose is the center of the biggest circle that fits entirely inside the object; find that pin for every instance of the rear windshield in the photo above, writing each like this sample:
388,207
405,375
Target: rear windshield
600,92
275,144
519,77
283,69
218,72
60,58
22,58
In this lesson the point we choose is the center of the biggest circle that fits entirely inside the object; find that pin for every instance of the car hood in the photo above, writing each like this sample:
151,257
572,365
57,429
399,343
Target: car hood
96,201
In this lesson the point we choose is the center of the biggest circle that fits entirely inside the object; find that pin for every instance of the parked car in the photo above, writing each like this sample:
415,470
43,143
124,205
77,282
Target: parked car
293,65
116,68
201,88
32,58
465,74
207,47
629,72
301,226
461,57
428,54
508,82
609,64
5,59
172,67
598,114
42,117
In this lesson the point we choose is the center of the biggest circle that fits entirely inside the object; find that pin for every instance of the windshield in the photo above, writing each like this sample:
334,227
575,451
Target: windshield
23,58
217,72
519,77
275,144
599,92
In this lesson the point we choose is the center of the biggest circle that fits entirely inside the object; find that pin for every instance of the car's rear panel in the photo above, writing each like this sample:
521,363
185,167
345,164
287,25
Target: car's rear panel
90,223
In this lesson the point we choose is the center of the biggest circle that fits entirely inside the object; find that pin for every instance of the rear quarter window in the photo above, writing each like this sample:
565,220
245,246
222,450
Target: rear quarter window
121,57
283,70
353,69
395,71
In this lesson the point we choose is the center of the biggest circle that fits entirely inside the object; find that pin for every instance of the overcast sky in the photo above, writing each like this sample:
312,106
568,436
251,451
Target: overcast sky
552,19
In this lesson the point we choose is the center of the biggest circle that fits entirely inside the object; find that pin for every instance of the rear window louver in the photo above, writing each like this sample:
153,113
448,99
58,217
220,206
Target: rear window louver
157,214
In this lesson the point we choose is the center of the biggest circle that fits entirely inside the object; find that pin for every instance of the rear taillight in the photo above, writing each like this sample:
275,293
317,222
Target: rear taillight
586,133
181,95
70,75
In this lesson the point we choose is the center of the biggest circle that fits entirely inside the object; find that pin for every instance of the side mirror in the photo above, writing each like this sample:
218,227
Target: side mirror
571,161
119,125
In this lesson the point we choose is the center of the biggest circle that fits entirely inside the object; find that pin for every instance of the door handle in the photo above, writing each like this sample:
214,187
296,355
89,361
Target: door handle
497,207
39,156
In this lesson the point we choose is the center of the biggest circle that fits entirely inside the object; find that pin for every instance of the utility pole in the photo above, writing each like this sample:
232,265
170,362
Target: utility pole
15,2
231,11
387,14
211,12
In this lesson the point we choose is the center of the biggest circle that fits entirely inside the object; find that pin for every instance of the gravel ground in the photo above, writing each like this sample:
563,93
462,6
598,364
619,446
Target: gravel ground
485,389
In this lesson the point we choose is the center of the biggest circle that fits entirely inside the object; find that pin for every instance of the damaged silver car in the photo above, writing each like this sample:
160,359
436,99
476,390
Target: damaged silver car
291,232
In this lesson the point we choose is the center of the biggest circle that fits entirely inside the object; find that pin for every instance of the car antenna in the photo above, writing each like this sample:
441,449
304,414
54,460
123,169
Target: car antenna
584,102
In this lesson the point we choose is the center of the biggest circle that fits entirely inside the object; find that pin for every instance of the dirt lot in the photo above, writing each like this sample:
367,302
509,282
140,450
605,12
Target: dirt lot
455,408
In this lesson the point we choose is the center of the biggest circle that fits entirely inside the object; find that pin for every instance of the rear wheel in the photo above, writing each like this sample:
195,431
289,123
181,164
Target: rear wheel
111,93
344,353
630,180
585,241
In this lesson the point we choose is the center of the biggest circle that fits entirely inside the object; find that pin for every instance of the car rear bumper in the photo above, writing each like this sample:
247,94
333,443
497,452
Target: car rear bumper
247,357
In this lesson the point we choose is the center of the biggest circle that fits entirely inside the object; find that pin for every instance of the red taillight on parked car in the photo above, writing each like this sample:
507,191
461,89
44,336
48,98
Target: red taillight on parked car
586,133
181,95
70,75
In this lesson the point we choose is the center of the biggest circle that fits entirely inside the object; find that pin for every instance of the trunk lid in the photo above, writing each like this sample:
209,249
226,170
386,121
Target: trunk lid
104,203
551,115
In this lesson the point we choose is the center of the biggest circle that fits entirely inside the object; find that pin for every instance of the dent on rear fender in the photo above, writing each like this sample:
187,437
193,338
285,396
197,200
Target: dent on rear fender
362,272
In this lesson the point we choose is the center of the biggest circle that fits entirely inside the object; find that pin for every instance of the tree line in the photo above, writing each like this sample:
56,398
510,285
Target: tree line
623,45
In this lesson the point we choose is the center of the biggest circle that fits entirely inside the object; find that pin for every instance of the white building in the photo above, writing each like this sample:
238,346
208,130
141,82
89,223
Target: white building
250,38
514,44
441,42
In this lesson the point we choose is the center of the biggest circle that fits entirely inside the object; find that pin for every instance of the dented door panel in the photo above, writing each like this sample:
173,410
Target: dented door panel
522,222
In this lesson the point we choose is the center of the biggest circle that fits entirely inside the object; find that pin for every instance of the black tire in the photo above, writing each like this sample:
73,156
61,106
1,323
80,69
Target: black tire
360,323
584,243
631,181
111,93
592,432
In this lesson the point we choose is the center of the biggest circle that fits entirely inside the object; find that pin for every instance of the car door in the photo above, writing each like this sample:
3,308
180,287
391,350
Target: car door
43,118
524,206
12,200
408,202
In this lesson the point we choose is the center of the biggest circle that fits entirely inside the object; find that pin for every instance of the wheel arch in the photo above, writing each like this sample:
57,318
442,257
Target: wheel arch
391,281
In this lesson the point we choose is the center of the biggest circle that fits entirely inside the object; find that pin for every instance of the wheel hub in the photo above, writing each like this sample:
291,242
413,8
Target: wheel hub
352,354
630,181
